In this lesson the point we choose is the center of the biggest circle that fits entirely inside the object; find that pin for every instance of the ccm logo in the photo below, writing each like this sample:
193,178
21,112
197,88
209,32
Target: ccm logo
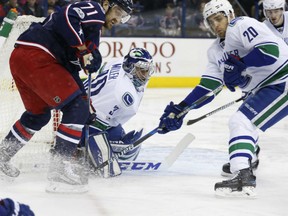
132,165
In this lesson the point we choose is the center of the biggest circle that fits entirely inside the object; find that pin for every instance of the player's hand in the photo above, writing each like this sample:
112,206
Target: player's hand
93,62
233,73
169,121
9,207
132,136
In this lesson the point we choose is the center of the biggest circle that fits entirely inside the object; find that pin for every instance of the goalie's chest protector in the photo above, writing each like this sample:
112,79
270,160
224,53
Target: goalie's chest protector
118,100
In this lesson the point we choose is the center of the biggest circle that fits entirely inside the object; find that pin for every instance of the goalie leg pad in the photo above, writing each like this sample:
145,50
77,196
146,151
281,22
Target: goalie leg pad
99,151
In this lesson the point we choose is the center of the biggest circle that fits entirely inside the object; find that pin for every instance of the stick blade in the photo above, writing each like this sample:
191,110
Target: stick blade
177,151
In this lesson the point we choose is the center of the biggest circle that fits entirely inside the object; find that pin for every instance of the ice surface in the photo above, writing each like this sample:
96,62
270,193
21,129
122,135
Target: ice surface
186,189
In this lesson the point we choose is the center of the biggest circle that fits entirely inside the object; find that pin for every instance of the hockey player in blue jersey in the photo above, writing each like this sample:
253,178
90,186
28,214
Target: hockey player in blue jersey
116,94
9,207
45,66
245,54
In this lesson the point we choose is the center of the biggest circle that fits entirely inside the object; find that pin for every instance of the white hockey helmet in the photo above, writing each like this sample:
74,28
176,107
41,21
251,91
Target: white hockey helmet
273,4
217,6
138,65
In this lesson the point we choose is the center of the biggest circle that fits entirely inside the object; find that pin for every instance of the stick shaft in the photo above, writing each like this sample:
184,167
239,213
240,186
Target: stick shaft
192,121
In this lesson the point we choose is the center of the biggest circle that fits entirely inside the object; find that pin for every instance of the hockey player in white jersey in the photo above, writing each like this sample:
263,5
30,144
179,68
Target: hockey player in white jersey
276,17
248,55
116,94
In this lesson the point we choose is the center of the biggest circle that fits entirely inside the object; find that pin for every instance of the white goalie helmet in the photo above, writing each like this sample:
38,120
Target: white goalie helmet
138,65
273,4
217,6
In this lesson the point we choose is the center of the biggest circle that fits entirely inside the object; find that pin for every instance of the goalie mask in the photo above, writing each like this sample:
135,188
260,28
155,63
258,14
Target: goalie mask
217,6
138,65
272,5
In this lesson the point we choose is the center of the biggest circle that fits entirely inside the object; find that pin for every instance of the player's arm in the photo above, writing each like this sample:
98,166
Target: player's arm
80,24
169,121
262,55
207,84
255,37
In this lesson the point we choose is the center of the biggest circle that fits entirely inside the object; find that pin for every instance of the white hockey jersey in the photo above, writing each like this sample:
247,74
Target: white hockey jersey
242,35
114,96
245,33
284,30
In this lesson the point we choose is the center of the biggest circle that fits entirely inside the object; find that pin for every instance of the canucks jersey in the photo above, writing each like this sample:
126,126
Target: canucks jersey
113,95
245,34
283,31
242,36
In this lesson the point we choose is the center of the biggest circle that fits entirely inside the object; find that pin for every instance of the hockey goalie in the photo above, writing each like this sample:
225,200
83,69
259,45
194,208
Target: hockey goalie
116,94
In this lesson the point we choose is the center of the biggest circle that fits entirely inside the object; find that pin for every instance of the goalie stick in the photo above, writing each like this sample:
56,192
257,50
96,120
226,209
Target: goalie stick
154,131
192,121
154,165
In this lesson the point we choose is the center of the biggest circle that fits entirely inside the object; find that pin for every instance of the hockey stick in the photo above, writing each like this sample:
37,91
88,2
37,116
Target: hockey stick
86,138
89,86
154,131
160,165
192,121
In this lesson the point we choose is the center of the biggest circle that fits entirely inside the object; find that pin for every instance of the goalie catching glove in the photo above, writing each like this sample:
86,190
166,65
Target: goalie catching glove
119,144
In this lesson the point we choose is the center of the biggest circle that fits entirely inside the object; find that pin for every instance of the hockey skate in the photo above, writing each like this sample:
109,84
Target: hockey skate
241,185
66,175
7,151
226,167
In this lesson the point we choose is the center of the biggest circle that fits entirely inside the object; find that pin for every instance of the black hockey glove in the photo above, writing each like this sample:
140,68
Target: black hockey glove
233,73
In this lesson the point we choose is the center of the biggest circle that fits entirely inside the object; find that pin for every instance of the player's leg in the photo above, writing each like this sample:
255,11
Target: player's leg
31,121
99,151
261,110
242,143
103,145
66,169
19,135
66,165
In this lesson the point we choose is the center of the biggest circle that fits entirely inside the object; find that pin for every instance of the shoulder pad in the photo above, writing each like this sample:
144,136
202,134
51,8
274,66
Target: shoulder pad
233,22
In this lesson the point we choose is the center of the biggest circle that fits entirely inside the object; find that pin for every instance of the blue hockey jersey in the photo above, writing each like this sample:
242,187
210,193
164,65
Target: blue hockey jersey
61,32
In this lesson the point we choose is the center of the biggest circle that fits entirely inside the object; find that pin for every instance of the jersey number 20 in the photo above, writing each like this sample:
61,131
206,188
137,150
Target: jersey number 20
250,33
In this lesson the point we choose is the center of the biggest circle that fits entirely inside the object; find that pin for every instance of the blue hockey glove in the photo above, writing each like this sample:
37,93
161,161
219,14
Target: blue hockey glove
232,73
169,121
94,62
8,207
132,136
126,140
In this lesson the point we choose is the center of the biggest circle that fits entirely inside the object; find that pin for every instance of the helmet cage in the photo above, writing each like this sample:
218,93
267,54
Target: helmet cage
138,65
